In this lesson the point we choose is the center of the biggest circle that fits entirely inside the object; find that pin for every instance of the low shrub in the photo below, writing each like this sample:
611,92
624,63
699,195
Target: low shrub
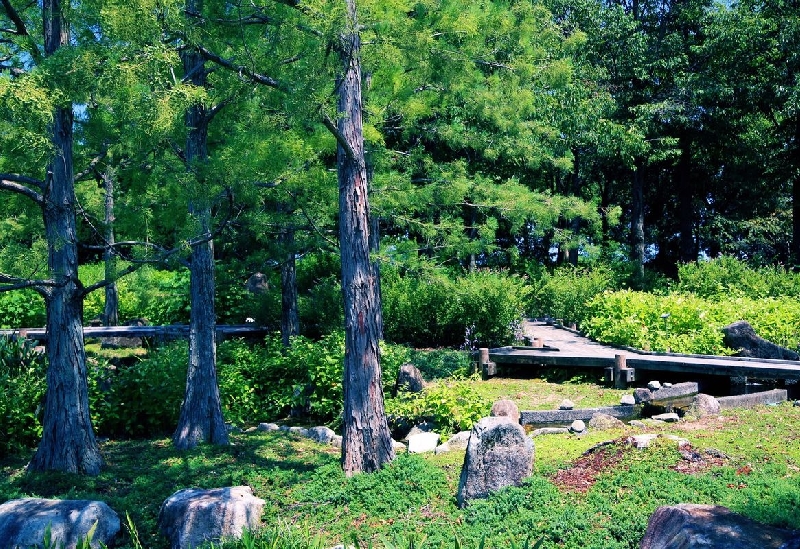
433,308
23,373
685,323
725,277
565,292
21,309
453,405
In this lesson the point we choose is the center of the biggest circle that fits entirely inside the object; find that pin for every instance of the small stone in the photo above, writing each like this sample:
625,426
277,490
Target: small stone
670,417
549,431
442,449
642,395
666,384
638,424
505,408
654,385
704,405
425,427
713,452
299,431
398,446
566,404
422,442
682,442
797,403
642,441
459,441
602,422
251,430
268,427
578,426
627,400
336,441
322,434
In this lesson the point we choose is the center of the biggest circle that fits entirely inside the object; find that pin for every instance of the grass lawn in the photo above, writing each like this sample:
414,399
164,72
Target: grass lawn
602,500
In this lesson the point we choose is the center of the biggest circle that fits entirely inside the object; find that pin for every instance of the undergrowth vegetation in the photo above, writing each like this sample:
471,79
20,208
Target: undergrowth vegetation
311,504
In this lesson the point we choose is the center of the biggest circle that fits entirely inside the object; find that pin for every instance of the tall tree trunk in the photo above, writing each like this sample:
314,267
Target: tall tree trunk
688,249
201,417
290,319
637,228
367,442
795,162
111,308
68,442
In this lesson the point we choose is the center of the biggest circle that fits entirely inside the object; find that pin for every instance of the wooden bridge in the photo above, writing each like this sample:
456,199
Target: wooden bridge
172,331
556,346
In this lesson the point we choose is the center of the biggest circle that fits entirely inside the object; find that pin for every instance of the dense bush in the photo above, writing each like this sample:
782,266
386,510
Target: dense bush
564,293
434,308
453,406
22,388
726,277
257,383
693,324
21,309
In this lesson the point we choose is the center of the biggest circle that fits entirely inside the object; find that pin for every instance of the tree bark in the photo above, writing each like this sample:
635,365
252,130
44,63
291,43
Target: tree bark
290,318
367,442
201,418
795,163
688,249
637,228
111,307
68,442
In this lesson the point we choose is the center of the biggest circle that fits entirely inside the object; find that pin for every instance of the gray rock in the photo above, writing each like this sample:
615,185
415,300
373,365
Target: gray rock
398,446
681,441
460,440
741,337
642,441
666,385
704,405
654,385
323,435
336,441
601,422
690,526
774,396
498,455
566,404
578,426
23,522
670,417
269,427
627,400
638,424
505,408
676,391
299,431
442,449
422,442
425,427
549,431
193,516
564,417
409,379
642,395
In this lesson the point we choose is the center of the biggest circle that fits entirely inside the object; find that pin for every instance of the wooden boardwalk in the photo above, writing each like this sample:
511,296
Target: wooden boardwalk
567,348
173,331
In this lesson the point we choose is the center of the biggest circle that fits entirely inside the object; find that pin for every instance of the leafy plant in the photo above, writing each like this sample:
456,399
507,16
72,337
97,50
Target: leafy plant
22,387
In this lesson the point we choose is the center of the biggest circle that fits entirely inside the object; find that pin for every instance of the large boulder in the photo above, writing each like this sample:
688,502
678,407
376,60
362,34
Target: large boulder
690,526
741,337
498,455
505,408
23,522
704,405
409,379
193,516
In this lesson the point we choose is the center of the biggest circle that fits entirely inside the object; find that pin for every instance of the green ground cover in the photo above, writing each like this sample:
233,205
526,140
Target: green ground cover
568,502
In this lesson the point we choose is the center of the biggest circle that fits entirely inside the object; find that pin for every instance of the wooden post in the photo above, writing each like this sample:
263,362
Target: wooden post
538,343
619,373
484,356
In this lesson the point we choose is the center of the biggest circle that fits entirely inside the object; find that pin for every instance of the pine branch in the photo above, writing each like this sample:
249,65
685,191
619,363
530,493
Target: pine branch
19,184
241,70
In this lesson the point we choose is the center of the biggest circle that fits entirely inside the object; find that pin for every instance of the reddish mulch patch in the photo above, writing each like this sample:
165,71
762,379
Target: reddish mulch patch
585,470
694,462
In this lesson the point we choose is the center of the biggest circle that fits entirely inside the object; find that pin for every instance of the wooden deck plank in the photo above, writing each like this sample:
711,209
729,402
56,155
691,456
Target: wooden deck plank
575,350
